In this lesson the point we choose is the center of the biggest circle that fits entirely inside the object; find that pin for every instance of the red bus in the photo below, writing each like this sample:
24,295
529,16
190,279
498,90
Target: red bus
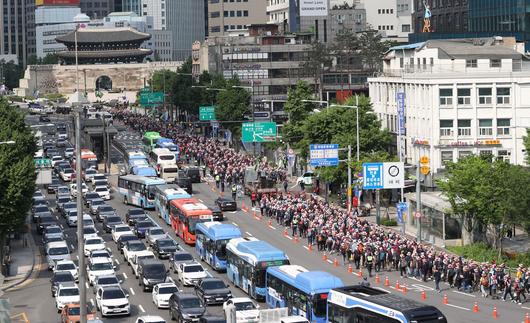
185,214
88,160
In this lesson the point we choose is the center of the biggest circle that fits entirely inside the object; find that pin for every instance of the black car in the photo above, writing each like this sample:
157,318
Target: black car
44,119
150,273
212,319
91,196
110,221
122,240
164,247
182,180
185,307
140,227
216,212
194,174
226,203
213,291
50,188
60,277
44,221
133,214
38,210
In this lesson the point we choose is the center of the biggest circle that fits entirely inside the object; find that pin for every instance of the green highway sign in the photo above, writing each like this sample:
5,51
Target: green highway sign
151,98
42,162
145,90
259,131
207,113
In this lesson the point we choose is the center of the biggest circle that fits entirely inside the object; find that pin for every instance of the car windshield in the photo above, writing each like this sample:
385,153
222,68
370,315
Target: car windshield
155,269
90,171
68,206
46,219
93,241
168,290
91,195
69,292
64,277
166,157
113,219
100,183
53,230
105,208
183,257
101,266
190,303
136,212
144,224
156,232
136,247
97,202
88,222
193,269
108,281
101,189
121,229
76,310
104,254
113,294
216,284
63,200
41,208
165,243
68,171
89,230
244,306
68,266
128,237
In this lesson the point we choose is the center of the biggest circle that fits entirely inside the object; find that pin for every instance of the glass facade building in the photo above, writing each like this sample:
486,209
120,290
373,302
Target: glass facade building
474,18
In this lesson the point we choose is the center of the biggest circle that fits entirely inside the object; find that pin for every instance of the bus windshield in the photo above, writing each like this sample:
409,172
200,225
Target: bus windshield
320,302
220,249
192,222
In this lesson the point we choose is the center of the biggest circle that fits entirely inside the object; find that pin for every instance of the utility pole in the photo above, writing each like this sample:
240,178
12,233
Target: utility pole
80,241
348,187
418,199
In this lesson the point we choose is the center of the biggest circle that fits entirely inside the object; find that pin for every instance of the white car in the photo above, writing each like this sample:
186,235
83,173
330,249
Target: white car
162,292
66,265
307,179
190,274
135,260
72,218
112,300
99,267
105,253
150,319
73,189
92,244
69,152
119,230
56,159
246,309
89,174
67,174
90,232
103,192
66,294
131,248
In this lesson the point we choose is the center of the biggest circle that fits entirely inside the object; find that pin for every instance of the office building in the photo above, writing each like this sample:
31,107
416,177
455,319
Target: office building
97,9
31,49
232,17
52,22
185,20
13,34
133,6
462,97
157,10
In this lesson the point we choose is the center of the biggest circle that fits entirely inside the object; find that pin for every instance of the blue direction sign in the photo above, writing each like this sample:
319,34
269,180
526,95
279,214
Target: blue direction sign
372,176
324,155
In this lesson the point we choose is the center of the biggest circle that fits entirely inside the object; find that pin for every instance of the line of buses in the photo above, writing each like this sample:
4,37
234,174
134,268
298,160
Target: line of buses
263,271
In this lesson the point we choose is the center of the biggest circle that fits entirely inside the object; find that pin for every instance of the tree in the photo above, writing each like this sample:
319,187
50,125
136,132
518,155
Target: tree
372,49
318,60
11,73
526,143
232,104
17,171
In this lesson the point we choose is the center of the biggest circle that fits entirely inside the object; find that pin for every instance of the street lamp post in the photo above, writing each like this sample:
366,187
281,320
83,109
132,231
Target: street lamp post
9,142
209,89
319,101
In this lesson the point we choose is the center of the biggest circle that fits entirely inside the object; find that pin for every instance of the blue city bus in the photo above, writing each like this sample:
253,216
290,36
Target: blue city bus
138,190
247,260
146,171
366,304
136,158
164,194
169,144
303,292
211,239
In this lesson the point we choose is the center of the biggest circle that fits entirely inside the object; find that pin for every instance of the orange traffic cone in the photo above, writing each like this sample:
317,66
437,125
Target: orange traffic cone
423,295
295,240
495,314
270,223
446,300
350,269
285,234
526,318
243,207
335,262
310,248
360,274
387,282
397,285
377,279
404,290
324,257
475,308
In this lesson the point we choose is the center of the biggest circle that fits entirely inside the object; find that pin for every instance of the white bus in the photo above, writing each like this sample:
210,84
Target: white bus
169,173
162,156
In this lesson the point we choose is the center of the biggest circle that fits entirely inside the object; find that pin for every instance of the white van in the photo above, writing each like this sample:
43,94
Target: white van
162,156
56,251
169,172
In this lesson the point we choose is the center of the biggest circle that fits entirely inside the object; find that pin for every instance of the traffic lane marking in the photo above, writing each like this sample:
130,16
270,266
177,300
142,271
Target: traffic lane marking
141,308
235,224
132,291
465,294
459,307
248,233
124,275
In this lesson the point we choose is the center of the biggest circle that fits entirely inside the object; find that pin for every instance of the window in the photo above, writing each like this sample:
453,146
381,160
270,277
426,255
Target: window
485,127
503,155
215,29
446,128
486,153
495,63
464,128
239,13
464,96
232,13
484,96
464,153
503,95
225,13
503,127
446,97
405,28
245,13
215,14
447,156
472,63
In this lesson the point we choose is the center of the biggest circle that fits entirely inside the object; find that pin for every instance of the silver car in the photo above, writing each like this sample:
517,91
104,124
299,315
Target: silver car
153,234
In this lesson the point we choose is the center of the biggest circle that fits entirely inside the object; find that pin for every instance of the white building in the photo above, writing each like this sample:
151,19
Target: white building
157,10
462,97
393,19
51,22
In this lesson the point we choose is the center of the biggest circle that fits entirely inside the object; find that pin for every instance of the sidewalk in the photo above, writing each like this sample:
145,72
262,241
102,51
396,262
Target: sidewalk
24,258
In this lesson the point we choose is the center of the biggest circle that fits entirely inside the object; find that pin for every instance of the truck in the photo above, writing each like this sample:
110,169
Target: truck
258,184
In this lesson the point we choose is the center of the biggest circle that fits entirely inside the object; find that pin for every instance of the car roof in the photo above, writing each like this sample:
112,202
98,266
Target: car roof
68,285
186,264
106,276
167,285
151,318
211,279
112,287
186,295
100,260
241,299
57,244
65,261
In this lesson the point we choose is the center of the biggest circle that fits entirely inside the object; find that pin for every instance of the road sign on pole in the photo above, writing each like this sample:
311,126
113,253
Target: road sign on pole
151,98
207,113
259,131
383,175
324,155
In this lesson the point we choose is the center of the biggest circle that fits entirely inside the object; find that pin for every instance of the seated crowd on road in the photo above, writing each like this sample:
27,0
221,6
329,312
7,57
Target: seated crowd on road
335,231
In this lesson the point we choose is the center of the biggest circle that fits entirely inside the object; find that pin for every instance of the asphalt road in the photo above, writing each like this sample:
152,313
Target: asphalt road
36,302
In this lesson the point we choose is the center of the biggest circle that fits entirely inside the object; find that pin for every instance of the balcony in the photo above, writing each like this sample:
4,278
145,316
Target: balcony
456,71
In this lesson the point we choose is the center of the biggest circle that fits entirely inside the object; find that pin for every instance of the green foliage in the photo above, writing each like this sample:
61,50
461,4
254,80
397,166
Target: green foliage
482,252
319,59
295,107
484,193
232,104
11,73
372,49
526,143
48,59
17,170
55,97
389,222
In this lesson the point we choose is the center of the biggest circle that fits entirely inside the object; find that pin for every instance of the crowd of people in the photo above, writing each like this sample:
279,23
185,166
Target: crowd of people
333,230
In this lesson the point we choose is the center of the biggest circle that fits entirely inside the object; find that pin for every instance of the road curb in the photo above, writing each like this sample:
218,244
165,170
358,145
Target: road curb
31,272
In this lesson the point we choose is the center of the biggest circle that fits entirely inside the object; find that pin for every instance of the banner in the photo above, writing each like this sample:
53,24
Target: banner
309,8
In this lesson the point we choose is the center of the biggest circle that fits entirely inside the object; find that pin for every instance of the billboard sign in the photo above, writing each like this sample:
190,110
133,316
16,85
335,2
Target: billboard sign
383,175
259,131
324,155
57,2
401,112
310,8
